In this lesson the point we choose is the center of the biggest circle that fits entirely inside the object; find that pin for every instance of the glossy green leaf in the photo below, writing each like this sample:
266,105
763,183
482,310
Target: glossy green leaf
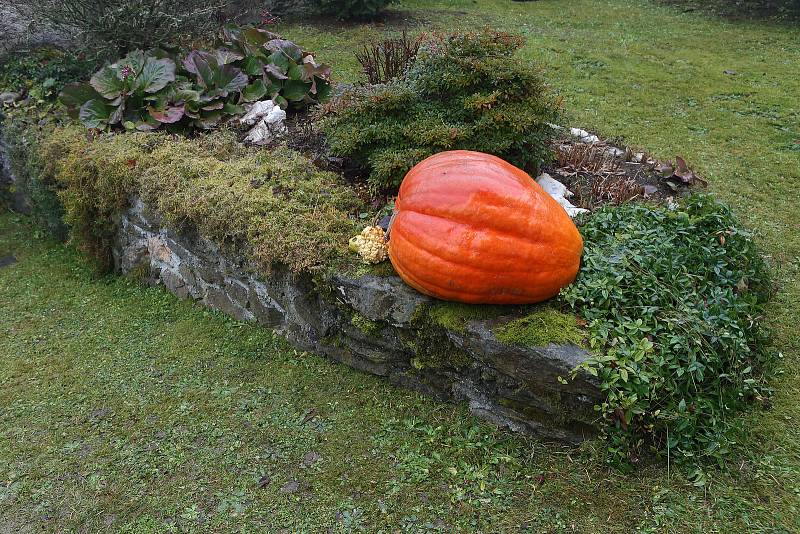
107,82
95,113
254,91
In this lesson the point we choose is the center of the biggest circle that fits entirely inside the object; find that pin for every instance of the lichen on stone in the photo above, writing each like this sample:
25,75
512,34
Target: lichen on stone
368,326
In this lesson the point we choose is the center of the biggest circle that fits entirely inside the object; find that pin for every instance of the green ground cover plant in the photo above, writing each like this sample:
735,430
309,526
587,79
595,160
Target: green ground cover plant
40,73
673,299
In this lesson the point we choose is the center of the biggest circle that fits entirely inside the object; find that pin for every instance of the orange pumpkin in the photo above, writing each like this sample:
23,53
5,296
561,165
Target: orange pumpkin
471,227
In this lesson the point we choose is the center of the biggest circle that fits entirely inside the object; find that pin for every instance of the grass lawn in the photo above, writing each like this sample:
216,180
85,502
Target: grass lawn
123,409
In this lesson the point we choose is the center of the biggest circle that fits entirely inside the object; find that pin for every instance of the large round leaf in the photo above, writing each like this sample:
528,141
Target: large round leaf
290,49
228,79
155,75
96,113
74,95
255,91
294,90
168,115
107,82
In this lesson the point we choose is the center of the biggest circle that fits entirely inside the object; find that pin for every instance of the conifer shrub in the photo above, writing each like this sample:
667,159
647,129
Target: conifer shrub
463,91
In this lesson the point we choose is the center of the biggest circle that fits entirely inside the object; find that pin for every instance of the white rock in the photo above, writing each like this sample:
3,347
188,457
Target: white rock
553,187
577,132
257,111
638,157
584,136
264,132
269,120
615,152
560,193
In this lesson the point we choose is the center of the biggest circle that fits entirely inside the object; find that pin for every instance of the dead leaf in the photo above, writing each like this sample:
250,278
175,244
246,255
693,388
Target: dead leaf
290,486
309,415
683,171
666,169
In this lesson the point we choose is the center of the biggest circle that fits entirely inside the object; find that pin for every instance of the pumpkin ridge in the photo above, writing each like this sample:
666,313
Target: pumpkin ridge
455,267
440,291
545,241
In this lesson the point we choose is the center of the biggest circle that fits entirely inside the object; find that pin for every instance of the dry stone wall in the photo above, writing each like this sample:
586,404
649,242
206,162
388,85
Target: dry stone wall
512,386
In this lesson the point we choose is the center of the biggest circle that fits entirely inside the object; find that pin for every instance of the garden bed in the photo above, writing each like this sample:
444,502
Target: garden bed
261,233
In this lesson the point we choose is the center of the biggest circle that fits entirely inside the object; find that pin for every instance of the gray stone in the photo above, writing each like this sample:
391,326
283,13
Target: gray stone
9,97
188,276
266,310
237,290
218,299
381,298
174,283
160,251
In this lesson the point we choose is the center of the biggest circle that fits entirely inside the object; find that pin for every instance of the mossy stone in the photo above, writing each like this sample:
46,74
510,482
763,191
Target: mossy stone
545,325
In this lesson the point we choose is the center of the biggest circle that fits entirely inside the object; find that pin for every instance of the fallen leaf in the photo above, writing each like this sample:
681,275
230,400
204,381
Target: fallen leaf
683,171
290,486
311,458
309,415
666,169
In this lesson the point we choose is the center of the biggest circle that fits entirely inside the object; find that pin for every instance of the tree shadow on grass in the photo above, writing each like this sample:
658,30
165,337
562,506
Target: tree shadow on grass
783,12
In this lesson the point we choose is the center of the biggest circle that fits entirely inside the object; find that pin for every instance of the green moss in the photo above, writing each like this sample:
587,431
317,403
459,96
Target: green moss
455,315
435,351
382,269
368,326
543,326
429,341
275,206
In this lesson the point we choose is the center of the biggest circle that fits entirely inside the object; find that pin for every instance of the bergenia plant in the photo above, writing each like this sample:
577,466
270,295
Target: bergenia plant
278,69
147,89
134,92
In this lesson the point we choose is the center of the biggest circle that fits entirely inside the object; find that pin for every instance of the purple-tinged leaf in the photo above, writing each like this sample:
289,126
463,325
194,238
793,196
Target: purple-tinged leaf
168,115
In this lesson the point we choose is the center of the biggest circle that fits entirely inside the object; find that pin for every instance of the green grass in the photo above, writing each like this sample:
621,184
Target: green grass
122,409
